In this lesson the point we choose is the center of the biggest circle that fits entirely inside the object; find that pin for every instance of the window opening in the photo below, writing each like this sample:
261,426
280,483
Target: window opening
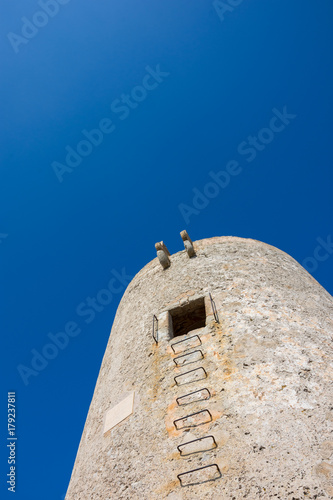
188,317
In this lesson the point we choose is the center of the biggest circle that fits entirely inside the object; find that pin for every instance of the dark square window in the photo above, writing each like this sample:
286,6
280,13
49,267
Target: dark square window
188,317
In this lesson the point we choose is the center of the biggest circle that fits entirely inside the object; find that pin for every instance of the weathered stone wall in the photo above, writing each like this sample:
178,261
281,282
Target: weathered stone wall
269,367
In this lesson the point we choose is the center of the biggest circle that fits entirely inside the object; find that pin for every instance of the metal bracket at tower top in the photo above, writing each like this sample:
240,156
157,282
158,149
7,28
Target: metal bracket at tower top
216,316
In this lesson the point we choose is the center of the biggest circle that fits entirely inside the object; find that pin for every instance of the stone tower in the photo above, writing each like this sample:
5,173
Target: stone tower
216,382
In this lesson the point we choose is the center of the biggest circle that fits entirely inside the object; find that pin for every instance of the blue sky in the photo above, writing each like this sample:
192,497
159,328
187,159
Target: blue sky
179,92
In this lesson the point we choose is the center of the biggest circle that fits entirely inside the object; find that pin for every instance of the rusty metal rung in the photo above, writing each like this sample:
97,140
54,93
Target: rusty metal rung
188,354
193,415
185,340
179,448
190,394
191,371
155,338
216,317
199,469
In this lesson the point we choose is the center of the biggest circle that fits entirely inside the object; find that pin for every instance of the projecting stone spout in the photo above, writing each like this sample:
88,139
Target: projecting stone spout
163,254
188,244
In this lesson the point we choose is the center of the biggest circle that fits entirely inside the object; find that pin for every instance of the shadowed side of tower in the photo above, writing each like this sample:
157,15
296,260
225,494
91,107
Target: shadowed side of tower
236,404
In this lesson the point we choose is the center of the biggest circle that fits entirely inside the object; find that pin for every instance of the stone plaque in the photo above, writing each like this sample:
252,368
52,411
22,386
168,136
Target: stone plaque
119,412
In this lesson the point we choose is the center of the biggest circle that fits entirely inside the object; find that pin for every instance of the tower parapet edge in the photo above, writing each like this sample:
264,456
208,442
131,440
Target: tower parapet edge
243,399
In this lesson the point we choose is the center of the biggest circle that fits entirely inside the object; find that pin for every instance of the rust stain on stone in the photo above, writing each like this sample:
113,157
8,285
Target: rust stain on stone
166,489
156,367
170,417
215,415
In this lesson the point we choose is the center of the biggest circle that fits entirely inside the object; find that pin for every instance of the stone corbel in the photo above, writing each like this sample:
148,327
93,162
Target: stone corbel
188,244
163,254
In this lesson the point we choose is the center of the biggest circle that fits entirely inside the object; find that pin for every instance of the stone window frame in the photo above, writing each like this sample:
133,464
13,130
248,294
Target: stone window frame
165,325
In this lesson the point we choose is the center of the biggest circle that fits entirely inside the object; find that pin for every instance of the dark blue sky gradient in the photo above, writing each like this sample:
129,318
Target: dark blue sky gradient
65,238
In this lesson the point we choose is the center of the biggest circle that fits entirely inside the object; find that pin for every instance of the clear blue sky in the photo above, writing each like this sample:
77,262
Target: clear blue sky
179,91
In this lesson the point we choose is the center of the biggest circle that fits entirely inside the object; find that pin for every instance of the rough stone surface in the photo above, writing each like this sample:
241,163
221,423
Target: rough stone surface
269,371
